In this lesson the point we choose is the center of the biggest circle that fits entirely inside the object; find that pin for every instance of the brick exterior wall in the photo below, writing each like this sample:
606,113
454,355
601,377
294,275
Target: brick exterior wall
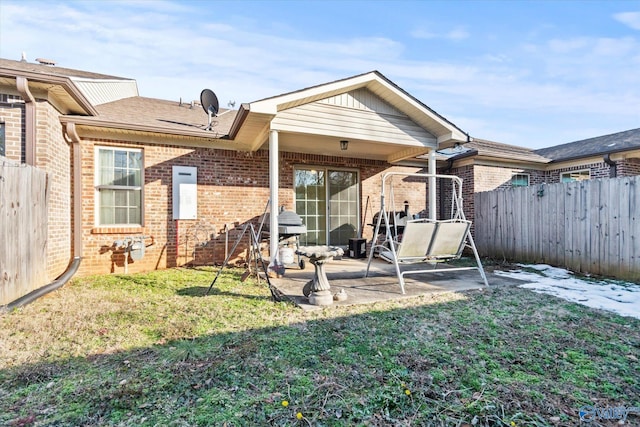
12,113
628,167
52,155
596,170
233,188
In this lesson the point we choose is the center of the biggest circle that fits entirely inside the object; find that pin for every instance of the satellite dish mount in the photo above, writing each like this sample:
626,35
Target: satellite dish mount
210,104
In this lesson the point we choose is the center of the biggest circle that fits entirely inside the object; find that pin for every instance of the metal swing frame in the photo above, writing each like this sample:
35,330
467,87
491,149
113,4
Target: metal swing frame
433,241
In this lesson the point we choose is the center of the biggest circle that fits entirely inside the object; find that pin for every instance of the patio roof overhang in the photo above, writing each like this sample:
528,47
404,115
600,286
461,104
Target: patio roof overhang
380,120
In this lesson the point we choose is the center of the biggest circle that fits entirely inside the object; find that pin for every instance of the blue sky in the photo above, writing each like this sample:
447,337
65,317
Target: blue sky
530,73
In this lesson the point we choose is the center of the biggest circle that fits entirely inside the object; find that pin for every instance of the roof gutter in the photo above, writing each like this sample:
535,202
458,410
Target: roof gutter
66,82
613,166
22,84
119,127
243,113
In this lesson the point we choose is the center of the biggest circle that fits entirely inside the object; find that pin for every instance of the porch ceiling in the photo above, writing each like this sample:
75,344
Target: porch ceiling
357,148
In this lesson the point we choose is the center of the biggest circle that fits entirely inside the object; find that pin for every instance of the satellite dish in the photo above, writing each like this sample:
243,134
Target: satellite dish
210,104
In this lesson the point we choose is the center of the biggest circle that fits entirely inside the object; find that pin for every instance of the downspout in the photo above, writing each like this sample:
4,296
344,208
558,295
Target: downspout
613,166
22,84
71,135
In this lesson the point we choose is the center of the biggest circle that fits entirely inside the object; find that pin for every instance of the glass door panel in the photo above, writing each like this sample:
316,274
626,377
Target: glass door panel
316,189
343,202
311,205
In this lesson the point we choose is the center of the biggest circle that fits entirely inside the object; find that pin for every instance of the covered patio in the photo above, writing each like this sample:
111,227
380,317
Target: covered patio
365,117
346,275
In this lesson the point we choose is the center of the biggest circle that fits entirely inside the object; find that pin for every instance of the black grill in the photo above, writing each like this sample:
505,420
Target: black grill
289,224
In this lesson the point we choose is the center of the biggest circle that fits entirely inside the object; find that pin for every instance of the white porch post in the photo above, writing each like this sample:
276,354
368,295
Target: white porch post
274,178
432,184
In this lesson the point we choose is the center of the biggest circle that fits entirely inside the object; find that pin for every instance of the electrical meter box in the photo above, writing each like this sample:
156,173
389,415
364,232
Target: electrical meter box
185,192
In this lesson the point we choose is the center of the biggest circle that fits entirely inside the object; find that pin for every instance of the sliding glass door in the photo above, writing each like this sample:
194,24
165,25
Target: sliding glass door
327,200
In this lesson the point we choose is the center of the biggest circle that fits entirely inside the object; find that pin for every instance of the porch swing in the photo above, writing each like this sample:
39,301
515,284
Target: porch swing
422,240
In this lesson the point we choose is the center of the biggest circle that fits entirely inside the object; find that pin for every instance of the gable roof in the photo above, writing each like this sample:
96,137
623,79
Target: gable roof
446,132
598,146
381,120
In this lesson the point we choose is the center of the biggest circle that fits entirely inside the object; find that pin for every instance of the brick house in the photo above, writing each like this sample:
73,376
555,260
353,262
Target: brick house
488,165
179,183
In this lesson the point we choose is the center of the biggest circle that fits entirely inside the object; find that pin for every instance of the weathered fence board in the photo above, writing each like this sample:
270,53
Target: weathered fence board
586,226
23,230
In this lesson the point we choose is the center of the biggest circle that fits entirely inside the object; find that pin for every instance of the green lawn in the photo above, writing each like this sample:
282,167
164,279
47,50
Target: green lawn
152,349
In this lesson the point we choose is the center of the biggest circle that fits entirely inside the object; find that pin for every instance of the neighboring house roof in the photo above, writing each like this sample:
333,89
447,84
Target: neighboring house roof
494,149
58,87
626,142
53,70
96,88
598,146
380,120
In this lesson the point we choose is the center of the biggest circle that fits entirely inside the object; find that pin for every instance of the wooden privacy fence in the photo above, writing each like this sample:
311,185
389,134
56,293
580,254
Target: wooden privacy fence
23,230
587,226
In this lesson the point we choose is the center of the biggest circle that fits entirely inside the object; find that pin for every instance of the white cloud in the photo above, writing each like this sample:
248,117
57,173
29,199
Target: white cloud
519,89
455,34
568,45
630,19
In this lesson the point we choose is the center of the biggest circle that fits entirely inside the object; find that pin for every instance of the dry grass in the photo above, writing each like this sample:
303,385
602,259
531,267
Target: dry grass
153,350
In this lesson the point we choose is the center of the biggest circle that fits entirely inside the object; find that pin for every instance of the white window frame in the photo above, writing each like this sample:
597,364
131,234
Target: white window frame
514,174
579,172
99,186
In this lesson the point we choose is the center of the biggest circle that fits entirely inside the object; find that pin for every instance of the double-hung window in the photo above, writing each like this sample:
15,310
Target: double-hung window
119,178
520,180
575,176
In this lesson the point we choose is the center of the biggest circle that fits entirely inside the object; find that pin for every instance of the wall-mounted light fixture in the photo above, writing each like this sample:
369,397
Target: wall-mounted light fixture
344,144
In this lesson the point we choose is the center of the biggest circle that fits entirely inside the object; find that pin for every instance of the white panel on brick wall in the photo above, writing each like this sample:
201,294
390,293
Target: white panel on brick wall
185,192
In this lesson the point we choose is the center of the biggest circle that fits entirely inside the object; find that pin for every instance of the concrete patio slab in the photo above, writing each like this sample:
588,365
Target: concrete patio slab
382,284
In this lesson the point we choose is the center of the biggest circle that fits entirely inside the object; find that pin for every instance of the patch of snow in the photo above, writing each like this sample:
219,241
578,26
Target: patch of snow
622,298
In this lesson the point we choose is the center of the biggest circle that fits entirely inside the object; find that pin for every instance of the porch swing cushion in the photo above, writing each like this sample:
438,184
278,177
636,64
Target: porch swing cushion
430,241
